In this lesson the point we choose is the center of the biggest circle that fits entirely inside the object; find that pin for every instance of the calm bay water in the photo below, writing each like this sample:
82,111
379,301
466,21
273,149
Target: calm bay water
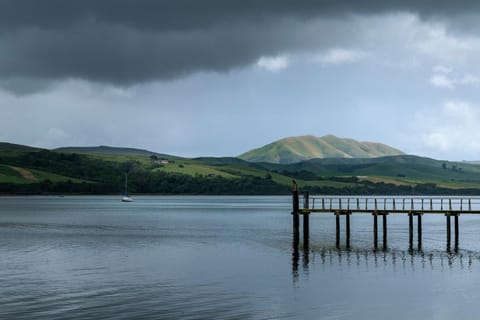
190,257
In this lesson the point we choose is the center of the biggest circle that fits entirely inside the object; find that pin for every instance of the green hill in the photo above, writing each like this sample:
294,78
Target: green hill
296,149
106,150
397,169
5,146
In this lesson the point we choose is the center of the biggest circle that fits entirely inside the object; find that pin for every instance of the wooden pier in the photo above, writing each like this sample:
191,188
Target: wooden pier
412,207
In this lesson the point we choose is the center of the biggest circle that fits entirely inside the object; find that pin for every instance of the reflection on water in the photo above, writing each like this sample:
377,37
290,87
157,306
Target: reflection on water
387,259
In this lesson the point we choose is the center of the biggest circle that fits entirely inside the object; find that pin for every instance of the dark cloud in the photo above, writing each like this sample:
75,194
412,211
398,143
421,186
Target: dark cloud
193,14
125,42
120,55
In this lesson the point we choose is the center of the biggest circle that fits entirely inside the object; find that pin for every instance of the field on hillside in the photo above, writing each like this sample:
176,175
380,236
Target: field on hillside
13,174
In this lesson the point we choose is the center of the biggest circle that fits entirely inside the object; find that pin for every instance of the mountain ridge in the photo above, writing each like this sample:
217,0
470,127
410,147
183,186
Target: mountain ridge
307,147
108,150
102,149
7,146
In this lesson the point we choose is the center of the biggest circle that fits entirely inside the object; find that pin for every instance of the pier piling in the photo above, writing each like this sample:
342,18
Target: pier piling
456,230
384,231
410,229
448,231
419,230
337,224
296,216
306,222
347,228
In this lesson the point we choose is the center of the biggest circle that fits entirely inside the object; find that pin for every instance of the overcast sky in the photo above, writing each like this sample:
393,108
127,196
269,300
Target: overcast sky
220,77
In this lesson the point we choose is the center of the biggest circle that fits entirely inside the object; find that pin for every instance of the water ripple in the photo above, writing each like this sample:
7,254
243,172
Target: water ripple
160,301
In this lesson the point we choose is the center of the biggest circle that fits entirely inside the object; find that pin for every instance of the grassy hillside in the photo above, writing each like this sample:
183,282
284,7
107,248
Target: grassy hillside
13,174
106,150
193,168
296,149
393,169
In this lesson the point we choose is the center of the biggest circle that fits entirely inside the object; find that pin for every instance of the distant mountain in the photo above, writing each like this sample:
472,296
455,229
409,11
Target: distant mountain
296,149
5,146
111,151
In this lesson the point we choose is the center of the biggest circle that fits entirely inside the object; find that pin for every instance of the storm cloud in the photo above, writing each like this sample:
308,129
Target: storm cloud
127,42
220,77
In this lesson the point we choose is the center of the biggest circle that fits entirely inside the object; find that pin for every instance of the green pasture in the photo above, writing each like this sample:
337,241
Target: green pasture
9,175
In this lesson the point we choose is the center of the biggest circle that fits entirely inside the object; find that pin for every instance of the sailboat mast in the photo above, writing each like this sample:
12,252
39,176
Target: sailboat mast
125,197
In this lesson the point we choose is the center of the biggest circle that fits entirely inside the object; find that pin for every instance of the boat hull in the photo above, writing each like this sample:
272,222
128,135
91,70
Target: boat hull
127,199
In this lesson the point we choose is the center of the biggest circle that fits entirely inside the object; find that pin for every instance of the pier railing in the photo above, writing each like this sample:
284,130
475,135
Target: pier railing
392,204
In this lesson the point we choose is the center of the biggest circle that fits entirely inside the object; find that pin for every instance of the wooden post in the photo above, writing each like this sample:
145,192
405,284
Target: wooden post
347,228
456,230
410,229
296,226
306,230
448,230
337,223
295,200
306,227
419,230
296,218
306,222
375,230
385,231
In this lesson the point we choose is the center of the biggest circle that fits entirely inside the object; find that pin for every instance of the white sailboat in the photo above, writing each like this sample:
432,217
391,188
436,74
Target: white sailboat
126,197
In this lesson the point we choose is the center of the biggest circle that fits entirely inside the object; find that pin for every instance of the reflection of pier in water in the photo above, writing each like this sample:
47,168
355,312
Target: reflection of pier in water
391,259
413,207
